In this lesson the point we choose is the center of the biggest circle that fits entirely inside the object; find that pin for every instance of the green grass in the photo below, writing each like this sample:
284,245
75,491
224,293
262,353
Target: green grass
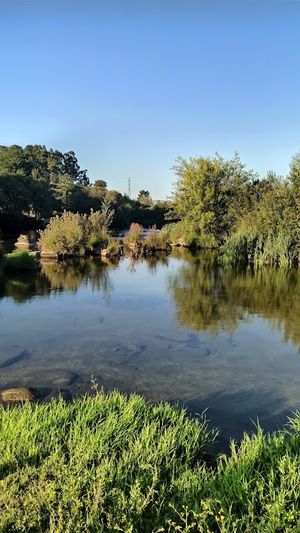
19,261
112,463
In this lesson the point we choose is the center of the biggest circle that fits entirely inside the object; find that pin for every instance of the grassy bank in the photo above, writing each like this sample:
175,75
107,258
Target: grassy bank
20,261
111,463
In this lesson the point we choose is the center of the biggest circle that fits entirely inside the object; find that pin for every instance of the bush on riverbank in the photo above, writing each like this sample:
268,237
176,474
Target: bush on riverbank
64,234
157,240
111,463
19,261
134,235
74,234
154,240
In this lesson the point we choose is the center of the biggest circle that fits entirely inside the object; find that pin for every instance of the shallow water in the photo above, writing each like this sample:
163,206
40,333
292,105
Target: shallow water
176,328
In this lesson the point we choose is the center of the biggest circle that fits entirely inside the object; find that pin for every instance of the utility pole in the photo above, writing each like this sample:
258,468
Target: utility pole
129,187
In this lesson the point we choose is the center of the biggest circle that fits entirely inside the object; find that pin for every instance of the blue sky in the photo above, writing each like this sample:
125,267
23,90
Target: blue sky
129,86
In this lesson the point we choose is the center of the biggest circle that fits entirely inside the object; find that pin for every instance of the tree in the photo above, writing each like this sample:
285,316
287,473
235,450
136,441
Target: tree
71,168
144,197
64,191
12,159
101,184
210,195
14,195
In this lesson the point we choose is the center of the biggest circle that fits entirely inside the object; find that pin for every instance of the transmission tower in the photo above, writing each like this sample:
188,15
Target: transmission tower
129,187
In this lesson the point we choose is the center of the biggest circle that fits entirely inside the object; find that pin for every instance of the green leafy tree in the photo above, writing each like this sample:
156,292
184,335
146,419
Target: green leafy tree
101,184
210,195
14,194
144,197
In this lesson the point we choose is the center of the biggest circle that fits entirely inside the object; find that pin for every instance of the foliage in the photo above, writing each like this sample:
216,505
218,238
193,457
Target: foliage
111,463
19,261
102,463
97,224
64,234
235,251
72,233
134,235
271,232
113,247
158,240
107,213
152,238
218,202
209,196
144,197
163,237
36,182
97,240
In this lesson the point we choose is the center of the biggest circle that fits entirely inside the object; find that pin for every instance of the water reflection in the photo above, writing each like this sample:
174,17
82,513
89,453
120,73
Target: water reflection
209,297
177,328
57,276
21,287
70,275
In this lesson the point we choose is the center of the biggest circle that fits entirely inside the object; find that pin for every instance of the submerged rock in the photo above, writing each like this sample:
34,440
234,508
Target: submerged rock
19,394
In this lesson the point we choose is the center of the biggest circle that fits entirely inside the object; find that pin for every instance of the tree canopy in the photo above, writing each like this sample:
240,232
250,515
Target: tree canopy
36,182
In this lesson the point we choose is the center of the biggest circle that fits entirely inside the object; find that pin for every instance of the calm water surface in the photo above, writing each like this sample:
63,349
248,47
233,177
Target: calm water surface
176,328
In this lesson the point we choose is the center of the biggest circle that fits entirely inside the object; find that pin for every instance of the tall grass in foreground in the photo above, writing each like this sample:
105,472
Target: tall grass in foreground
111,463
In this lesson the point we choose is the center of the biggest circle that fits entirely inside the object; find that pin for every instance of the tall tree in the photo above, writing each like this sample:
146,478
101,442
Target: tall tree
205,190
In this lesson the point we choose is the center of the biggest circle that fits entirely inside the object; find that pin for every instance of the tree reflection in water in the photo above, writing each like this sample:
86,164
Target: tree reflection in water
58,276
210,297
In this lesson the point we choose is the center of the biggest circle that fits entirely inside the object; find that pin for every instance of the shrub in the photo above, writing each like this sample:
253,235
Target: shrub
72,233
99,221
19,261
98,240
65,234
235,250
185,234
135,234
159,240
151,240
113,247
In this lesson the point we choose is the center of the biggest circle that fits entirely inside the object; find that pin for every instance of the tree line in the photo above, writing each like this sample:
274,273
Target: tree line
216,203
36,182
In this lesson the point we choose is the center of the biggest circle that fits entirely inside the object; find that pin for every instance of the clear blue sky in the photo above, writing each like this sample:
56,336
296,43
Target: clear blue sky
129,86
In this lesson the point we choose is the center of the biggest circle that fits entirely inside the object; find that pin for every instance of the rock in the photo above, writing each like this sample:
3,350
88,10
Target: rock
21,394
24,243
106,252
49,255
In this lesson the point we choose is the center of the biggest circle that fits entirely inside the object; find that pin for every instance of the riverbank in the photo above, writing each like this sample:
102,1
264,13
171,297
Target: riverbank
114,463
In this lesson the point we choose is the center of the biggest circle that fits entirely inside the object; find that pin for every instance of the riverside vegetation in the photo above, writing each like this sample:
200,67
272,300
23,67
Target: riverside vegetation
220,204
114,463
37,183
216,203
